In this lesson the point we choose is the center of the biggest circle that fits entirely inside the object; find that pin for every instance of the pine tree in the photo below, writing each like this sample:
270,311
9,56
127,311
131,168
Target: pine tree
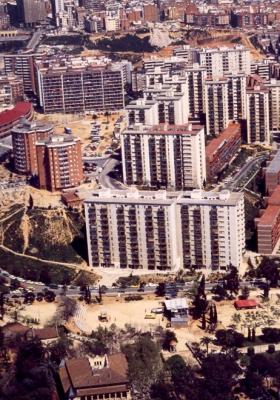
253,335
215,314
249,334
203,322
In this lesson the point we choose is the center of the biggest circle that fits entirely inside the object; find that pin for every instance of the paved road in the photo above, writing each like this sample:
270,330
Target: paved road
74,291
105,180
246,169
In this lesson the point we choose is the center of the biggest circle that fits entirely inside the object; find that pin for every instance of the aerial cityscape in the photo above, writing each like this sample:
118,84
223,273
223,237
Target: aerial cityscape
139,200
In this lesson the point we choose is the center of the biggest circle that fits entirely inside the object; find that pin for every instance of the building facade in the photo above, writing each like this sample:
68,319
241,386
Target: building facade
212,229
164,156
258,115
159,230
24,138
268,225
221,150
216,106
225,60
59,162
73,89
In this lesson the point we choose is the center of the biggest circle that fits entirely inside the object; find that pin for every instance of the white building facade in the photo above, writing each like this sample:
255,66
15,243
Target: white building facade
160,230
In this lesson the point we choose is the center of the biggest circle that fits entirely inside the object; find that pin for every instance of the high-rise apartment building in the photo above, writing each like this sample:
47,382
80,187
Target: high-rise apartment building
164,156
131,229
236,84
59,162
216,105
22,65
31,12
212,229
11,89
24,137
172,104
272,174
196,76
258,115
80,87
268,225
225,60
159,230
190,54
142,111
274,104
225,101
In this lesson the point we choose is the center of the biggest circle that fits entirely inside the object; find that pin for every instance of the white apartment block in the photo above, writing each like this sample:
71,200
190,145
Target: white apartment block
196,76
212,229
187,52
131,229
258,115
274,104
173,107
224,60
160,230
236,96
164,156
142,111
216,105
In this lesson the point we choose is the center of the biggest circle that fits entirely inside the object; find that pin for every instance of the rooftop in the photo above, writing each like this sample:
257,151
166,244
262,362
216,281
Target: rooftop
215,144
59,141
163,197
20,110
25,126
274,165
79,375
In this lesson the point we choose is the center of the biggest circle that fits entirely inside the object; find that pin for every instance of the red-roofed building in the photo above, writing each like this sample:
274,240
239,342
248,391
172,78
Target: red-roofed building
220,151
245,304
268,225
82,378
10,118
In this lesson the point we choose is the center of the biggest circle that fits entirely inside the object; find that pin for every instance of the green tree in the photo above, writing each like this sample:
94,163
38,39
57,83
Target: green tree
205,341
169,338
144,364
232,281
220,374
229,338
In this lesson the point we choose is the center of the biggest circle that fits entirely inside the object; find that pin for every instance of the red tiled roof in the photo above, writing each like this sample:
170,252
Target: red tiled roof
79,374
20,110
214,144
249,303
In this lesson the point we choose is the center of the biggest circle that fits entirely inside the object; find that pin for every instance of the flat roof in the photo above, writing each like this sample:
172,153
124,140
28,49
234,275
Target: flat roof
164,129
274,165
176,304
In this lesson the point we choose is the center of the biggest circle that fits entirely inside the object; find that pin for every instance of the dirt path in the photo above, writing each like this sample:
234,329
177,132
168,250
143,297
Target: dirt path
11,215
77,267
